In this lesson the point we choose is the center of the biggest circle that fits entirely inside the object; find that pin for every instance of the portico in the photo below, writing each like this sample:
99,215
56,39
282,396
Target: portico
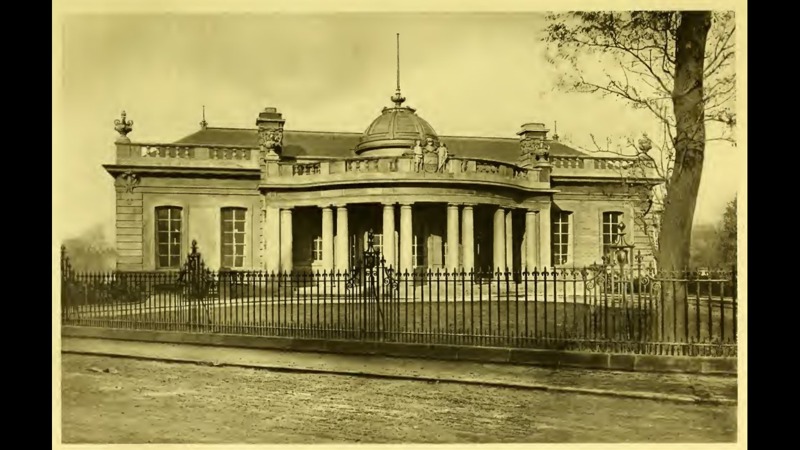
411,236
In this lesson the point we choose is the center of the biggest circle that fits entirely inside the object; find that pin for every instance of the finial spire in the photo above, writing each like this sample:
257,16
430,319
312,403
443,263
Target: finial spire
555,131
398,98
203,123
398,62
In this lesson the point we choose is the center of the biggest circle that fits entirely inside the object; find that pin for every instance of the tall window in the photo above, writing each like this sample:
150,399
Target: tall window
316,249
416,252
168,236
611,221
354,256
560,240
377,243
233,233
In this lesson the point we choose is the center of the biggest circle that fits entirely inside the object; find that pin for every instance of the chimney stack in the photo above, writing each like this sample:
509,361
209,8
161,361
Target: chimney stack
270,132
533,130
534,151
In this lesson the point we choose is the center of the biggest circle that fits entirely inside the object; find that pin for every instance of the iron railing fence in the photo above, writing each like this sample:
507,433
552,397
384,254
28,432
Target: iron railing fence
601,308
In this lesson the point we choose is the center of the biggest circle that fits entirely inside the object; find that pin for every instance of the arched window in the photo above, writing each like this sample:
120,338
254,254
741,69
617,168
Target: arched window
169,226
233,237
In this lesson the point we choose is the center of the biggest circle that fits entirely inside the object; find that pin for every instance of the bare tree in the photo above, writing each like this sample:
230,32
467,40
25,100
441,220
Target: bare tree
679,67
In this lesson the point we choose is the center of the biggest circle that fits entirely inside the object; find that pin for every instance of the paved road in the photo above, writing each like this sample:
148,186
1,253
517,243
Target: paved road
155,402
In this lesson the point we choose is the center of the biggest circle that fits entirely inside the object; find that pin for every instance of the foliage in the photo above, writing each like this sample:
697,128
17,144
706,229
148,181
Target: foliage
727,238
704,247
91,251
714,246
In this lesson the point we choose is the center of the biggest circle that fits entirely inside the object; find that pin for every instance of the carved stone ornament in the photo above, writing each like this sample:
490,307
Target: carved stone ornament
430,145
527,145
542,151
443,155
270,140
123,126
539,148
129,181
645,144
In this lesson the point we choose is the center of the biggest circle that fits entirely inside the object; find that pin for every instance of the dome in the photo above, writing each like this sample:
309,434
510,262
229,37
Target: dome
395,131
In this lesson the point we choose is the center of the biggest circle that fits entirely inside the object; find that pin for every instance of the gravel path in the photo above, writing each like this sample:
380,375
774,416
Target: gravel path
156,402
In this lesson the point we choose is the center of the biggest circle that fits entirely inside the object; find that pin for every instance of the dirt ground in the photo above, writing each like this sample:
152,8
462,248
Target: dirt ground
154,402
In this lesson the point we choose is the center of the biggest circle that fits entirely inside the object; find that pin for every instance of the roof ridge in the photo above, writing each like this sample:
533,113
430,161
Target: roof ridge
456,136
476,137
285,129
229,128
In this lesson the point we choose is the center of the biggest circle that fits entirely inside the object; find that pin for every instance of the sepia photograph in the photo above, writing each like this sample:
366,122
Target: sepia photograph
399,226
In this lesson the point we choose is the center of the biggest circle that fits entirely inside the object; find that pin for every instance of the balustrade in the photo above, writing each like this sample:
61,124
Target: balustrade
187,155
455,167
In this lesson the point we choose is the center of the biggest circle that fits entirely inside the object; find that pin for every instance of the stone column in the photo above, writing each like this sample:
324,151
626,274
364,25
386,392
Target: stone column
406,238
327,239
452,237
272,239
544,237
531,239
468,238
286,240
388,235
509,240
342,259
499,243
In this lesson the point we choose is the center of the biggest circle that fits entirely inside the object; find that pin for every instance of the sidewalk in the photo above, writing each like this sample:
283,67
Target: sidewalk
667,387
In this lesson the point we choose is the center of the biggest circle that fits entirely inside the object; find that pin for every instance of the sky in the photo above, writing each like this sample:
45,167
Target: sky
471,74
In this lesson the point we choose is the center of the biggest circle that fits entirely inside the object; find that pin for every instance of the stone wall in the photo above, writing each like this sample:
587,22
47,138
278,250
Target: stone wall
129,242
201,201
587,203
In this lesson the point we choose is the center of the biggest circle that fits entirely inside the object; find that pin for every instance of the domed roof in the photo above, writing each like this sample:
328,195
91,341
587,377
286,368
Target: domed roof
396,127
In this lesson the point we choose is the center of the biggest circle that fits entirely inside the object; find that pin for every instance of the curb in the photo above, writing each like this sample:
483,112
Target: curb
464,381
517,356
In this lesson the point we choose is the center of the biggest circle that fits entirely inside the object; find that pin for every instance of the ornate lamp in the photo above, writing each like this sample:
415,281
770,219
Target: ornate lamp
620,251
371,255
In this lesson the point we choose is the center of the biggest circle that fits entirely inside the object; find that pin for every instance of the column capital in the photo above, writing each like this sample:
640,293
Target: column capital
339,205
406,204
388,204
453,205
469,205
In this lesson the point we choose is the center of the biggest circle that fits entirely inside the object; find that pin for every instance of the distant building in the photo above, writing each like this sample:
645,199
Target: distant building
277,199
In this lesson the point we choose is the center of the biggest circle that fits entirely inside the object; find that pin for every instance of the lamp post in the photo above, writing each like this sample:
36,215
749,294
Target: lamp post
370,255
620,253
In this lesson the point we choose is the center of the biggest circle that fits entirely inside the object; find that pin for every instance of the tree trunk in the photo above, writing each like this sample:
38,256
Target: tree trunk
690,137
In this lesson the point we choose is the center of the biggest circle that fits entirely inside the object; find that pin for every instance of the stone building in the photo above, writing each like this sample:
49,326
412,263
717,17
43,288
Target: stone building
281,200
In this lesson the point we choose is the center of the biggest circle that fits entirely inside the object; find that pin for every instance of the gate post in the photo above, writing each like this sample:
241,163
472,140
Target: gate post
198,284
66,278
